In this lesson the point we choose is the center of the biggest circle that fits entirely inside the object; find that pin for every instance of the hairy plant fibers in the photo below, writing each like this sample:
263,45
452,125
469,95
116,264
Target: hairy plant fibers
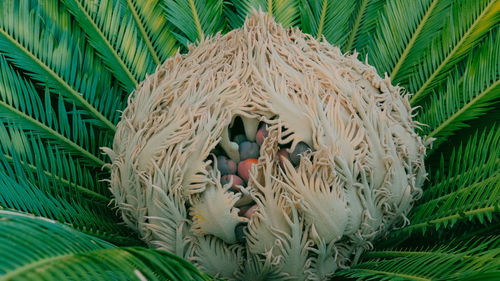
360,179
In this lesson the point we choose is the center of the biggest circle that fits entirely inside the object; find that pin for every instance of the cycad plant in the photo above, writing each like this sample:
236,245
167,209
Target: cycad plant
68,67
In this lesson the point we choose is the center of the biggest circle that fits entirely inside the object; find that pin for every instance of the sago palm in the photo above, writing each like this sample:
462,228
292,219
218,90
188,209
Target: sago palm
68,67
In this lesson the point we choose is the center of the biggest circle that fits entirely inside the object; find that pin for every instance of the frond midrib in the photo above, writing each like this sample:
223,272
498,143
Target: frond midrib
10,275
402,253
412,41
73,93
458,176
107,43
54,133
357,24
64,181
196,19
143,32
468,105
322,19
493,207
419,93
461,190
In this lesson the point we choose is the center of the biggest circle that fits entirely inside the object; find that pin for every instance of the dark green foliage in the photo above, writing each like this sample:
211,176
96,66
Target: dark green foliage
67,68
465,25
464,189
469,92
455,260
404,31
327,18
194,19
58,252
154,28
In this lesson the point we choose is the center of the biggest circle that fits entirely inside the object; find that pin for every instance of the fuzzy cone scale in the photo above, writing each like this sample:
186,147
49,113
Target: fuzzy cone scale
360,179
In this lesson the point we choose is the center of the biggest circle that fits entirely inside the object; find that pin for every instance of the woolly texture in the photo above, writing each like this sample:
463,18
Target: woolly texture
359,179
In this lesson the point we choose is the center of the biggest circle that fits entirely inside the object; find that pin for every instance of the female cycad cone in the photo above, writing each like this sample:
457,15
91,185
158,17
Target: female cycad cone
357,162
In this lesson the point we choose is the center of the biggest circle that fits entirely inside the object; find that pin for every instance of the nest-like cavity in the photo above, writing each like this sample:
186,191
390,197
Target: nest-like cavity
265,154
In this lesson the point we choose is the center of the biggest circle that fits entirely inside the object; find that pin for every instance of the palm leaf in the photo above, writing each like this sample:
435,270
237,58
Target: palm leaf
284,11
45,57
403,30
327,18
469,163
17,191
154,28
468,22
476,201
114,35
194,18
468,188
362,24
49,163
467,94
452,261
52,166
103,93
36,249
21,104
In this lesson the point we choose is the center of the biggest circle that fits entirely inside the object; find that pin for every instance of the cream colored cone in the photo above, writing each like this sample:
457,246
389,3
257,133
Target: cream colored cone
359,181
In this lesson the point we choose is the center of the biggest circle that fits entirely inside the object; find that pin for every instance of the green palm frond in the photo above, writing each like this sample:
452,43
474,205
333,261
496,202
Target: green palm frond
48,159
195,19
363,23
114,35
456,260
476,201
154,28
467,94
467,188
20,103
57,252
468,22
285,11
404,29
18,191
52,165
103,92
474,161
45,58
327,18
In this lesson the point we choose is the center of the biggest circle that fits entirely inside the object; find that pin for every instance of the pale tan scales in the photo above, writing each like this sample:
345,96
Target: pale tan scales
361,178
